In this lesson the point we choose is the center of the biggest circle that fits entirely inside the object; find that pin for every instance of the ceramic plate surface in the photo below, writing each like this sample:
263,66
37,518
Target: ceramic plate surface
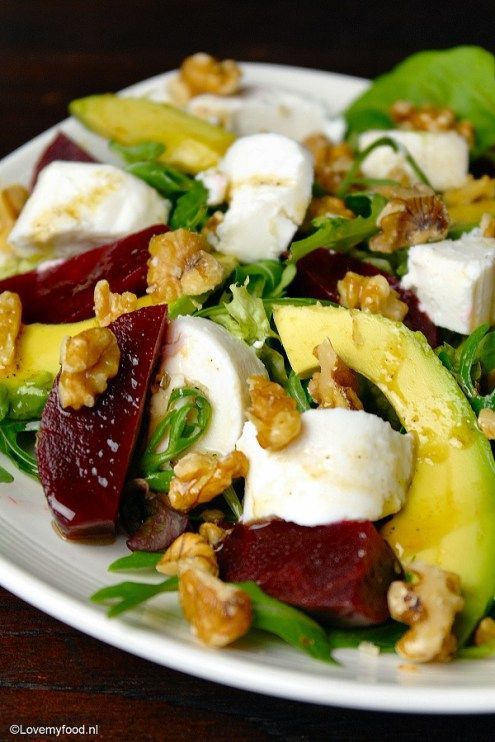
58,576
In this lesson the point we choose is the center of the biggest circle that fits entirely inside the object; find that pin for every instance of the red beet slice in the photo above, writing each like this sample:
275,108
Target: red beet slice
84,455
339,571
319,272
63,292
60,148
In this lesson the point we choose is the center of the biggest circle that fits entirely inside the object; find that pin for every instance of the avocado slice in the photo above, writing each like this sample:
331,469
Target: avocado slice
191,144
449,517
38,348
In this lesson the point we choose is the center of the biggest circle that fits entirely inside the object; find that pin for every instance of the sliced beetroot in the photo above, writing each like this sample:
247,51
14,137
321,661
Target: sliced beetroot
84,455
60,148
319,272
340,571
63,291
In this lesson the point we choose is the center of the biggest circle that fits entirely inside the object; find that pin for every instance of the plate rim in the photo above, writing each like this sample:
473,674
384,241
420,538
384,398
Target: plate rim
232,671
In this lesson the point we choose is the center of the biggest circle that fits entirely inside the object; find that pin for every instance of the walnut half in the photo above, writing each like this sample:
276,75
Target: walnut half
412,217
218,613
371,293
189,550
88,361
335,385
110,306
199,477
181,264
428,604
273,413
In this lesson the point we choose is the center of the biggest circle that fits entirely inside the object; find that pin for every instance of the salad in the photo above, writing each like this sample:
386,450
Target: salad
261,347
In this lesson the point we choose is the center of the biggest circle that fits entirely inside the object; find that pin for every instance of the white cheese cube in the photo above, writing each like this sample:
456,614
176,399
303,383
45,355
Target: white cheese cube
258,109
203,355
216,183
442,156
345,465
270,179
454,281
78,205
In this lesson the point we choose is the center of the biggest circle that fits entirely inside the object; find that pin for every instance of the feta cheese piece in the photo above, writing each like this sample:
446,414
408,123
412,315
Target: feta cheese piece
201,354
270,179
454,281
78,205
345,465
260,108
216,183
442,156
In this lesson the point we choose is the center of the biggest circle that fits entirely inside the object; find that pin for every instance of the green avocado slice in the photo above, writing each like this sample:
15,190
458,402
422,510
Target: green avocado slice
449,516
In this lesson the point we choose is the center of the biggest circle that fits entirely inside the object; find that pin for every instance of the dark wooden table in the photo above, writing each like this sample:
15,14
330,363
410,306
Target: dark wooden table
56,50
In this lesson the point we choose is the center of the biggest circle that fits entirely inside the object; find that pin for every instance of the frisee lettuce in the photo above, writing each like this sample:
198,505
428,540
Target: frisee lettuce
462,78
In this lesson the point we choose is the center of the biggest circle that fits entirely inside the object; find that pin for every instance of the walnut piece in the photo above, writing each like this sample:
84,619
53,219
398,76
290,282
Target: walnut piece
429,118
212,533
10,326
202,73
181,264
413,216
109,306
332,161
189,550
371,293
473,190
335,385
428,604
273,413
218,613
199,477
487,225
486,421
485,631
88,361
12,199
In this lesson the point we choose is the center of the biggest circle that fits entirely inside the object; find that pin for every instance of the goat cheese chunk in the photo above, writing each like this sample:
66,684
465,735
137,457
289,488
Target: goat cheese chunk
78,205
216,183
258,109
201,354
454,281
442,156
270,178
345,465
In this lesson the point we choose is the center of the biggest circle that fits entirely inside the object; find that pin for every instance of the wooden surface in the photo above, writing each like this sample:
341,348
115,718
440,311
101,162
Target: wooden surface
52,51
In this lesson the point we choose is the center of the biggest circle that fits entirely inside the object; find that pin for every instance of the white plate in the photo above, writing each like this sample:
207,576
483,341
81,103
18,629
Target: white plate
58,576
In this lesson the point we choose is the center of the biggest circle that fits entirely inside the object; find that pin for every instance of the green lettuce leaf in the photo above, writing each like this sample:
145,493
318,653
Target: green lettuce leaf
462,78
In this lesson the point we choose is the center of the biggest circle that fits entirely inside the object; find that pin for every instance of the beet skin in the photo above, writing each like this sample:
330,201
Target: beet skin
84,455
339,571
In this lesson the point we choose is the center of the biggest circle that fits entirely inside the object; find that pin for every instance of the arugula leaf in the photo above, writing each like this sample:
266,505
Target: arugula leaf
477,652
296,390
230,496
12,445
384,636
141,152
286,622
5,476
127,595
188,416
166,180
474,357
341,234
268,279
191,209
274,363
136,560
461,78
